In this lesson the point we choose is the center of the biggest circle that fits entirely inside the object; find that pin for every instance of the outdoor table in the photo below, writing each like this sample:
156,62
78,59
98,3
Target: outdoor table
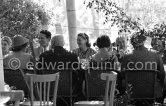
13,95
89,103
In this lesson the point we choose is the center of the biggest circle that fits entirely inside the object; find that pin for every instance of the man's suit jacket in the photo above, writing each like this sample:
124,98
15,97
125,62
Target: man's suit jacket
145,59
58,58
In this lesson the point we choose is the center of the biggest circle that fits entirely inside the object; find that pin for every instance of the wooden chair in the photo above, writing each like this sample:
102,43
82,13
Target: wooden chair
143,84
14,95
109,92
93,80
15,78
43,84
66,86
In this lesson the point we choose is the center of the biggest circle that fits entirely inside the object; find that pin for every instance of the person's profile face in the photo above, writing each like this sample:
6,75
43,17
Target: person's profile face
158,45
5,46
122,44
81,42
43,40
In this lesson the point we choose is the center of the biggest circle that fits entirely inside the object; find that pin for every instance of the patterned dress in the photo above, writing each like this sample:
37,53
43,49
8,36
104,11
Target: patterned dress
84,54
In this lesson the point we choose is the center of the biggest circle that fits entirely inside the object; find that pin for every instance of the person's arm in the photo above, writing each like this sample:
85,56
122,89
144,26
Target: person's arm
75,63
116,64
5,63
30,63
124,63
94,52
31,58
36,53
40,65
74,51
161,70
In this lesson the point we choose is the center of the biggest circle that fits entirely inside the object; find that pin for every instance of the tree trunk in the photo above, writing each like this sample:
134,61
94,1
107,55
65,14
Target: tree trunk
71,17
1,67
95,24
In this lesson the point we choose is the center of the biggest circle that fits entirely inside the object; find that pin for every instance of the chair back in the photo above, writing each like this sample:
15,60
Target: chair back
15,78
95,87
66,86
109,91
110,87
143,83
65,81
43,87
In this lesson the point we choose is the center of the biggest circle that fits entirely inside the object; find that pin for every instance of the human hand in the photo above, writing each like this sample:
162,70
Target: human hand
121,53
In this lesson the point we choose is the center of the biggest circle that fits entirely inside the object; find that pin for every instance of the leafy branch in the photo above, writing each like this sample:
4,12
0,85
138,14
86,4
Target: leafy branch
114,15
17,16
159,31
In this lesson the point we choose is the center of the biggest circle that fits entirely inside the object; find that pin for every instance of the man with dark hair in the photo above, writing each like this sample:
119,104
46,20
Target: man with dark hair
46,33
44,40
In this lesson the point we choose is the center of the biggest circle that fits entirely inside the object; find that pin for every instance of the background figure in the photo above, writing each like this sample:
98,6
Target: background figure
103,54
6,44
143,55
121,43
18,58
157,46
83,51
44,40
58,56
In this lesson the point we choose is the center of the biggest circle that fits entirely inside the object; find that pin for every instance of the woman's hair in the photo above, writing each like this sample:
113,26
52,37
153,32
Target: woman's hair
19,48
7,39
103,41
86,37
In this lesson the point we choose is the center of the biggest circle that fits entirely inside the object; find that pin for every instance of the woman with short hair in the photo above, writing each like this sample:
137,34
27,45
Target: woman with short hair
104,53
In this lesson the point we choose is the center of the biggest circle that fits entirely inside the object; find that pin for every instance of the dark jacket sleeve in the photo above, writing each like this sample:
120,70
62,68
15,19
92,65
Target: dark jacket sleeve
124,62
40,65
160,68
164,57
75,64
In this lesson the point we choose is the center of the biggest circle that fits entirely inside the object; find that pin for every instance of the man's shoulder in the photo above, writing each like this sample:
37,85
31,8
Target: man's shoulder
51,53
70,53
8,56
47,53
129,54
153,53
27,54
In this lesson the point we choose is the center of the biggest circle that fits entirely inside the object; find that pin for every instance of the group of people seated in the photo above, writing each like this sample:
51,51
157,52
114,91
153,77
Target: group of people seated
53,55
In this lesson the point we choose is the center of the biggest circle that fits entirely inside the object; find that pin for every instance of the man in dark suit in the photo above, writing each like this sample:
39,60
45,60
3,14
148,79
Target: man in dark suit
58,57
143,59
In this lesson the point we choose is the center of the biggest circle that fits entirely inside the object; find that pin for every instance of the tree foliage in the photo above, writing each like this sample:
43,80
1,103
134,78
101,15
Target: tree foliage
21,17
113,14
159,31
